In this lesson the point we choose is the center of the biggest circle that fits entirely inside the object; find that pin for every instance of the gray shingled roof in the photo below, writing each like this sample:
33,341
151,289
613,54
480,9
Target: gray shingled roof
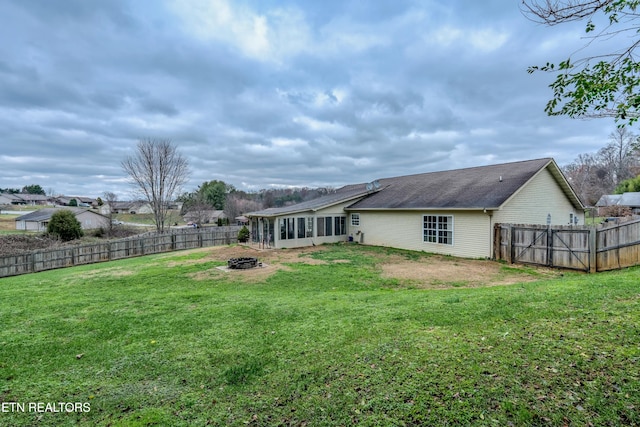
341,195
471,188
631,199
45,214
483,187
608,200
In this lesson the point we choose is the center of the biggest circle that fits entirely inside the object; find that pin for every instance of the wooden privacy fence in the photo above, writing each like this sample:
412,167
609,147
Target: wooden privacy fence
149,243
587,248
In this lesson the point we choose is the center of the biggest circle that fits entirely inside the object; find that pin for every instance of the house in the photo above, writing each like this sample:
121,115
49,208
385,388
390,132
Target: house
38,220
629,200
76,201
33,199
449,212
10,199
23,199
204,216
242,220
130,207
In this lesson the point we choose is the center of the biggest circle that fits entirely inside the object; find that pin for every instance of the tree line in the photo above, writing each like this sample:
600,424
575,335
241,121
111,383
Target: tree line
27,189
614,169
218,195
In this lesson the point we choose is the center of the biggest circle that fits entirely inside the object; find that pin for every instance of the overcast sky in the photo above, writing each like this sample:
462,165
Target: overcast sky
263,93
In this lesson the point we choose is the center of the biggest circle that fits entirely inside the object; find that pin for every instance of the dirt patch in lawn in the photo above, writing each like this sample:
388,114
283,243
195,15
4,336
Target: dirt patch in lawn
440,272
428,271
272,261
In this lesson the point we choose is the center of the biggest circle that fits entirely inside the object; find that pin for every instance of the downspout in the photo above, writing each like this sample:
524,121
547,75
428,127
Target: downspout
491,233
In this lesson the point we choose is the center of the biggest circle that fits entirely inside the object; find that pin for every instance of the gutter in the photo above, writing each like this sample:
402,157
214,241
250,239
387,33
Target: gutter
443,208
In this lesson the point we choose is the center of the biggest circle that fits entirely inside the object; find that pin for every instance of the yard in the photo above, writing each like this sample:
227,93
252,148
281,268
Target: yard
330,335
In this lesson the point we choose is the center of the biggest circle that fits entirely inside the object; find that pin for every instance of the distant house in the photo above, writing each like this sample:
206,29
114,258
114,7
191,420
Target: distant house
630,200
449,212
39,220
127,207
9,199
242,220
204,216
34,199
23,199
79,201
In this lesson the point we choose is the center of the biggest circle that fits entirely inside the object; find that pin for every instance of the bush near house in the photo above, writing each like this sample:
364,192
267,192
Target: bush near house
616,211
243,234
65,226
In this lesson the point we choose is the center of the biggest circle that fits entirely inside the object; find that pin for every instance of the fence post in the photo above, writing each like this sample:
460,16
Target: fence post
511,248
593,250
550,234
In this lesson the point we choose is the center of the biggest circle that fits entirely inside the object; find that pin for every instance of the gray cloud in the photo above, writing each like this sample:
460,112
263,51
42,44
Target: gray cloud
276,93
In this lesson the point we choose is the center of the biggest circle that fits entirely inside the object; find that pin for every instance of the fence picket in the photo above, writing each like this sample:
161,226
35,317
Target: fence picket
146,244
576,247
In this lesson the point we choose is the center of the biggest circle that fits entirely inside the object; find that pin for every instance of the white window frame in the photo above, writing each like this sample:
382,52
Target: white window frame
355,220
438,231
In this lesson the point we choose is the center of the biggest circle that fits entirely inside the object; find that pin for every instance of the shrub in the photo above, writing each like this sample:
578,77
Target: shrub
65,225
243,234
617,211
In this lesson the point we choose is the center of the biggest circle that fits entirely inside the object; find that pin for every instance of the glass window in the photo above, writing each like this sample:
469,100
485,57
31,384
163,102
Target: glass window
355,219
438,229
291,228
327,226
321,227
283,229
302,233
287,228
340,227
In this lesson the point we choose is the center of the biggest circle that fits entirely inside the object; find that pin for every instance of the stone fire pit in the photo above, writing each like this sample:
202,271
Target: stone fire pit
243,263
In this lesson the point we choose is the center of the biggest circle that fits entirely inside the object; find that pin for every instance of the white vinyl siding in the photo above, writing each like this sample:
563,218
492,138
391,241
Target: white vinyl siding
405,230
541,196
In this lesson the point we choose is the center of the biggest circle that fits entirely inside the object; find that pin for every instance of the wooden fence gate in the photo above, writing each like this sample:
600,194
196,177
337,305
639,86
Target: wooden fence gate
568,248
586,248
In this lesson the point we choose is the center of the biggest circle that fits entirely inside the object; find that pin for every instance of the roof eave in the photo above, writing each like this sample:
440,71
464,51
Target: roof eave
260,214
429,208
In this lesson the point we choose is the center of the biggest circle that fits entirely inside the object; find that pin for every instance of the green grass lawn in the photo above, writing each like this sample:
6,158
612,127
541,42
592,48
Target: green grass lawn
161,340
148,218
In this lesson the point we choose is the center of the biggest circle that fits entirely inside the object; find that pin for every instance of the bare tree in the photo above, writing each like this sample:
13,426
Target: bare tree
595,174
582,173
236,205
110,200
158,171
621,154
